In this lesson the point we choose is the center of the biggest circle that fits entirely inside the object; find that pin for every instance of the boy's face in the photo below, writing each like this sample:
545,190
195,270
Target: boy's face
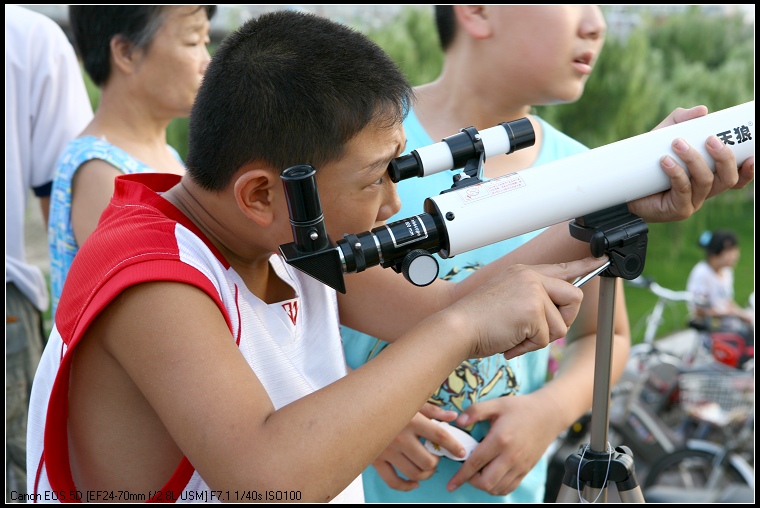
549,50
356,192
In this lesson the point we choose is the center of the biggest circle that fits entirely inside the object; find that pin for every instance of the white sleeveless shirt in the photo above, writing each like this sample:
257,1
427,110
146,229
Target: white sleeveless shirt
294,347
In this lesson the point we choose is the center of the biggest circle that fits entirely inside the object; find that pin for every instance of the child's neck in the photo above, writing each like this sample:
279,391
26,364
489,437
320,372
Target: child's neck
232,235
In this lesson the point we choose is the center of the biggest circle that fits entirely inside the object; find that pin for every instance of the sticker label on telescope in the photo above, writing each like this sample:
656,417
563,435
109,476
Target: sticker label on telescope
406,231
491,188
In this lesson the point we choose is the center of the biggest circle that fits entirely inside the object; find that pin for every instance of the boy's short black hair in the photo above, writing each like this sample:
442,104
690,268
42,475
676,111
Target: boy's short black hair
446,24
93,27
289,88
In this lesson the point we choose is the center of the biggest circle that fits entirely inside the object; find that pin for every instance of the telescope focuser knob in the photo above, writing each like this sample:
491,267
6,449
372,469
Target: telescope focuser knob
420,267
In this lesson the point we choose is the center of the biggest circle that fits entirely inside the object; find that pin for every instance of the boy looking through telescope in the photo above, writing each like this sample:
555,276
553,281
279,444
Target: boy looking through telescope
186,357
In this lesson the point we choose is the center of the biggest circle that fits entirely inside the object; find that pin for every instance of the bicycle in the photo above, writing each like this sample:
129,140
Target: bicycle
655,366
645,415
711,472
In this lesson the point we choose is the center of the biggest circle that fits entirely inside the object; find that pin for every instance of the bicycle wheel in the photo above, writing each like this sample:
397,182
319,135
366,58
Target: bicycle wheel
690,469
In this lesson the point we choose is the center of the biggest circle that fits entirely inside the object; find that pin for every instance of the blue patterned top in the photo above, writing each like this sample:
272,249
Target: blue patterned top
61,241
477,379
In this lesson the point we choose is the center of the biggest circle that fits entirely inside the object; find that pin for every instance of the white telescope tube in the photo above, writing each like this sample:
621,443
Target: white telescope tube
574,186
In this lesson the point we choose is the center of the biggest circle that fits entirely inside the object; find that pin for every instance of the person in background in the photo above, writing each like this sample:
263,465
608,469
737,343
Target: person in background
46,106
148,61
499,61
711,281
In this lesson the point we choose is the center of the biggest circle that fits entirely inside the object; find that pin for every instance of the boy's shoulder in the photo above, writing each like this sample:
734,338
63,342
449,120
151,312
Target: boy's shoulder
138,238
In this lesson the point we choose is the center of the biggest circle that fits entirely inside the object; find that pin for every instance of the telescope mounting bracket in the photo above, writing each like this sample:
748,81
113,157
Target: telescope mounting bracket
619,234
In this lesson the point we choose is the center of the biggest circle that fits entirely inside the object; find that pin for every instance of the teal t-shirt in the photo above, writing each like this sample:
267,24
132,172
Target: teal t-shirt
477,379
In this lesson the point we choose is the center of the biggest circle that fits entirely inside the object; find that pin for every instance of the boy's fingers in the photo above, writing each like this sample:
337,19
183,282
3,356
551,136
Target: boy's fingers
437,413
746,173
438,435
682,115
394,481
572,270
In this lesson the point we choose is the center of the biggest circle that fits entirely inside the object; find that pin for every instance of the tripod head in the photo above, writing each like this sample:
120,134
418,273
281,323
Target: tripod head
619,234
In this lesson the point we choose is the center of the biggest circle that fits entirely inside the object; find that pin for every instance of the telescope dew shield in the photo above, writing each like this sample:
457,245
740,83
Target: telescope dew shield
575,186
454,151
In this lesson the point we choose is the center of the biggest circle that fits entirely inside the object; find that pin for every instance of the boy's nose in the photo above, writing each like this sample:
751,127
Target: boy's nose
392,204
593,26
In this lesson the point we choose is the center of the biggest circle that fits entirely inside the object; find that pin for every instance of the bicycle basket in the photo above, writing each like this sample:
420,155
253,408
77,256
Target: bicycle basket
730,393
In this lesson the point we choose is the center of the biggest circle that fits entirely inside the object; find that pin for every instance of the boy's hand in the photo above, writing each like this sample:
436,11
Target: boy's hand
517,439
407,455
689,191
524,310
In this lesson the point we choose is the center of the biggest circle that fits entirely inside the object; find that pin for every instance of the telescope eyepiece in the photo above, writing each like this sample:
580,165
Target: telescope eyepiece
406,166
304,207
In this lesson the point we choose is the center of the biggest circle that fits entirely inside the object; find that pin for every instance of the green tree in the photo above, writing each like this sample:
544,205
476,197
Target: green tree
412,41
695,36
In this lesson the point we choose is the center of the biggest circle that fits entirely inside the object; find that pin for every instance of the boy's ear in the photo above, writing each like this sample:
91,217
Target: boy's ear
254,192
474,20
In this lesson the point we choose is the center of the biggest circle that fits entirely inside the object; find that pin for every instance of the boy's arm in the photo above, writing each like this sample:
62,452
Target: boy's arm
182,359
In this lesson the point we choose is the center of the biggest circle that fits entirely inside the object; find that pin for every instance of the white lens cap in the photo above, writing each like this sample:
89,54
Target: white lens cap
467,441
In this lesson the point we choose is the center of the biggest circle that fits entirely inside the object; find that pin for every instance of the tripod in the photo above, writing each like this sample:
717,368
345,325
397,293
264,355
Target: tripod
623,237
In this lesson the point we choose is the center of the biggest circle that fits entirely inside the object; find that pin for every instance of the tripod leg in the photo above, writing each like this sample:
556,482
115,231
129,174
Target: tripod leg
573,489
569,490
625,477
632,496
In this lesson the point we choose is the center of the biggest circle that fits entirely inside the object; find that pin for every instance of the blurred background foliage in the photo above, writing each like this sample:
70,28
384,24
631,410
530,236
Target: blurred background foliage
679,60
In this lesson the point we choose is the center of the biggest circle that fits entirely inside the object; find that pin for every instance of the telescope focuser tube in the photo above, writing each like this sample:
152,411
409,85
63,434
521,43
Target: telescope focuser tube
389,245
